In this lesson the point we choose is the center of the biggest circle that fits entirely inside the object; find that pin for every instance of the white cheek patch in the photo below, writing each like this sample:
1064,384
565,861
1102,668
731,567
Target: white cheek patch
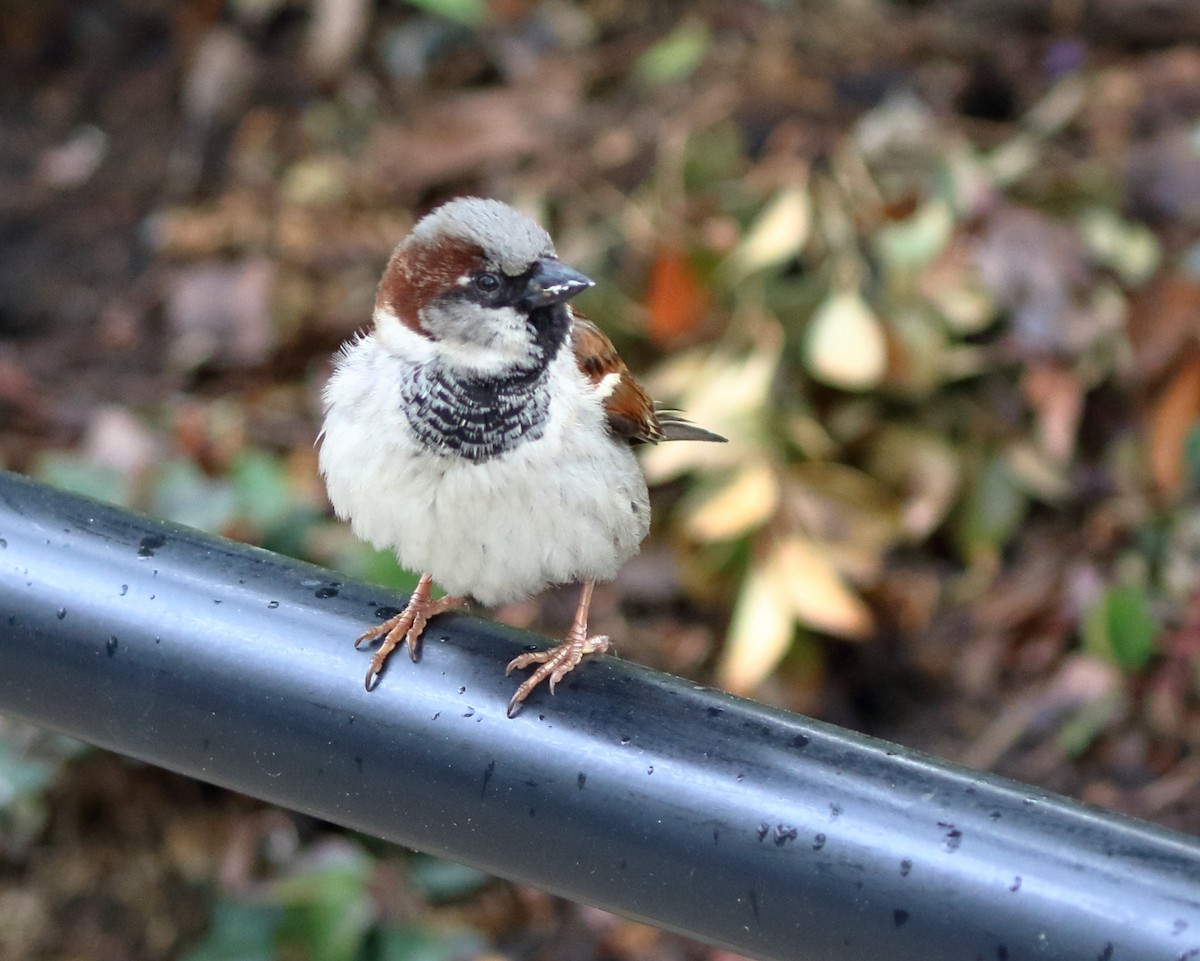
400,339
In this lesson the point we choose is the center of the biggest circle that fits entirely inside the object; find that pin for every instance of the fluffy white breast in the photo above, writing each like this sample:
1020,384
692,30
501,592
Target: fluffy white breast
569,506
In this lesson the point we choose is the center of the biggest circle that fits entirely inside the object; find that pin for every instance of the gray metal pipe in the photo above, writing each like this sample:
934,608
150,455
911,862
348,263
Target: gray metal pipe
770,834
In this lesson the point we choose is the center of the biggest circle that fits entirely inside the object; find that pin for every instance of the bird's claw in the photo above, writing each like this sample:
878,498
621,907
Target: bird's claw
405,628
556,663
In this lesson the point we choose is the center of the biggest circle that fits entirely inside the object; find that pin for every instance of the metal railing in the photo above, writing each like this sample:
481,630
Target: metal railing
765,832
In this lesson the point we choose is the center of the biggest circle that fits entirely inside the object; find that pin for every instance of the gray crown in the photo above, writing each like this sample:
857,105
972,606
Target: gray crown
510,240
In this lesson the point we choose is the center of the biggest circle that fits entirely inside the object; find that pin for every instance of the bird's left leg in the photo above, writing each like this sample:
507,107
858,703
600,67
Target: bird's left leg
561,660
407,626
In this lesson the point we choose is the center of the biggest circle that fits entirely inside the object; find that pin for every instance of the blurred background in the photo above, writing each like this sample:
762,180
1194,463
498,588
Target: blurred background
933,266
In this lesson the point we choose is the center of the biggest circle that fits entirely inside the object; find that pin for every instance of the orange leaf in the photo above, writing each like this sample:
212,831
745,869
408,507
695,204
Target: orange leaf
676,300
1162,322
1172,415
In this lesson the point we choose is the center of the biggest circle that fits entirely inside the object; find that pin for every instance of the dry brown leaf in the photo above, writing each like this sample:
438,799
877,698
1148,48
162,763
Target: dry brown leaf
845,346
760,632
779,233
336,31
740,506
1173,414
818,595
719,390
794,583
924,468
1163,319
676,301
221,312
1055,392
449,139
853,515
1035,267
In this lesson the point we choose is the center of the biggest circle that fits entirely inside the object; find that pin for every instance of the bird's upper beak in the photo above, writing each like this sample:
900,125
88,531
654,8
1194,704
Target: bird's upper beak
553,283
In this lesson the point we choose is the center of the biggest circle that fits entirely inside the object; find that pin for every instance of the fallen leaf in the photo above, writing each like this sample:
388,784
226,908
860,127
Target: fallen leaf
336,31
456,136
676,56
1080,681
739,506
992,509
116,439
217,78
723,391
1128,249
1120,627
222,313
795,582
951,284
1163,179
852,515
468,12
845,345
1162,322
915,241
1035,268
676,300
778,235
72,163
760,632
818,595
924,468
918,351
1040,475
1055,393
1173,414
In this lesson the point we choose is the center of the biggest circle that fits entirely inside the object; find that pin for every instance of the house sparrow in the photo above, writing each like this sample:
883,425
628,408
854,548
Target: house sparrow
483,430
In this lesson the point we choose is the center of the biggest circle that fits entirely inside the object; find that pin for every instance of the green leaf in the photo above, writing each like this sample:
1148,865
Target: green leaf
30,759
1129,249
912,243
71,472
442,880
1120,626
1086,724
238,932
993,508
469,12
289,534
21,775
328,909
260,488
676,56
364,563
1191,459
186,495
713,155
423,943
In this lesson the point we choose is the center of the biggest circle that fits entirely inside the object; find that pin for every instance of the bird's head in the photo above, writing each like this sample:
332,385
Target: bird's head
482,284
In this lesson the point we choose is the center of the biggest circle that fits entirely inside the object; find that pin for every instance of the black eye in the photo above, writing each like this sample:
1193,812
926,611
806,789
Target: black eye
487,283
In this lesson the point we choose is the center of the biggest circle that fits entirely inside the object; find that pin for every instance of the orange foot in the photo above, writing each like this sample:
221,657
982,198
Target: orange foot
406,627
559,661
556,663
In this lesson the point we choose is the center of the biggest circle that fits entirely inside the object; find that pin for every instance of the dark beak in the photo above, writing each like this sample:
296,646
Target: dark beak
553,283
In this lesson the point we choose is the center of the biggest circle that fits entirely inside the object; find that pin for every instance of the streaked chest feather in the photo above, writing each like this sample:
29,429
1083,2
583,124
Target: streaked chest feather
476,418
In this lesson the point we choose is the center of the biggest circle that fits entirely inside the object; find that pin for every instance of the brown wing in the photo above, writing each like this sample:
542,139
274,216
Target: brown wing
631,412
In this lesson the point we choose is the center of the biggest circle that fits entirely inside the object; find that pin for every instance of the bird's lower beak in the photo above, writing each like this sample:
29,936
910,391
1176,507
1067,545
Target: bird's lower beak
553,283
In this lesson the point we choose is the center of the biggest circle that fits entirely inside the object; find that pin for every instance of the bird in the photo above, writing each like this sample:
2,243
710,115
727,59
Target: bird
483,429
